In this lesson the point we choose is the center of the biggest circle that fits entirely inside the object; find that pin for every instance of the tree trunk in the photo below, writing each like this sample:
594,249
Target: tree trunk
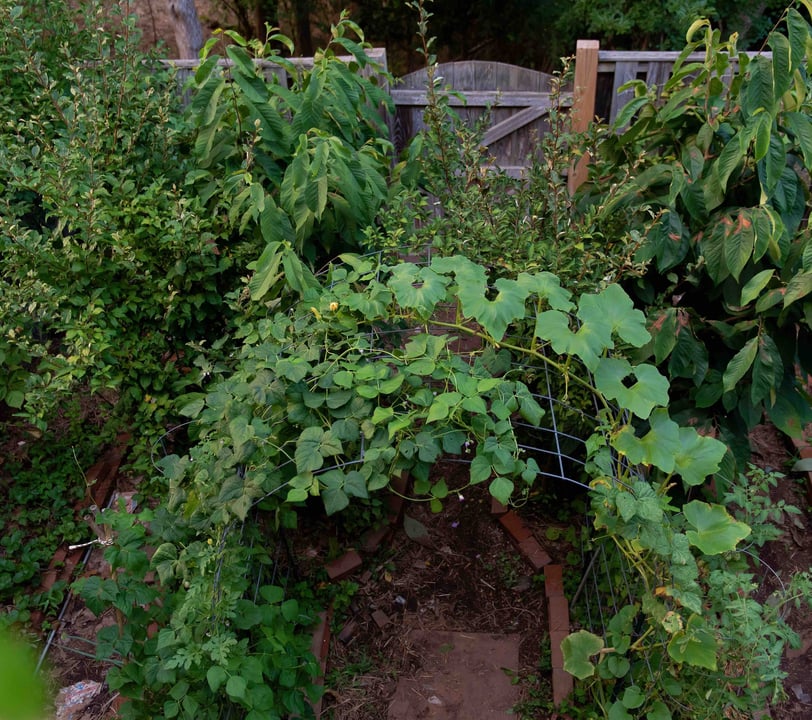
301,9
188,32
265,13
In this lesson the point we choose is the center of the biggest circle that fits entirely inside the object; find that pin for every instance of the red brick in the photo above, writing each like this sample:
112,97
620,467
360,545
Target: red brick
497,508
345,565
553,580
372,539
559,613
556,656
515,527
319,646
562,685
381,619
394,502
534,553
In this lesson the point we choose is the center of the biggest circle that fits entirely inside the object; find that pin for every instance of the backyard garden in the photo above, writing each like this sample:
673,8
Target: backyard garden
260,373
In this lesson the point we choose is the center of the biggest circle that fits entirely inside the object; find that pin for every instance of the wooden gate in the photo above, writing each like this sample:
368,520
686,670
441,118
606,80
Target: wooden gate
518,100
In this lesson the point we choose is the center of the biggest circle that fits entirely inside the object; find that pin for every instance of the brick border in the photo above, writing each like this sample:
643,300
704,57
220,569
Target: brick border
558,617
100,478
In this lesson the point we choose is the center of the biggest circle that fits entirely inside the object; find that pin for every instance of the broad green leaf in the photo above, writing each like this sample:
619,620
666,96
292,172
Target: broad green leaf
729,159
547,287
501,488
782,60
663,329
335,500
614,307
633,697
715,530
617,711
800,125
236,687
753,287
658,711
695,645
768,371
649,389
577,649
658,447
759,91
587,343
773,165
739,365
699,456
739,242
216,676
799,286
497,314
312,446
443,405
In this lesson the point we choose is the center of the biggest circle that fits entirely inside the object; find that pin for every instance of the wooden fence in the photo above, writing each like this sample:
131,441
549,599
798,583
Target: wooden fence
517,100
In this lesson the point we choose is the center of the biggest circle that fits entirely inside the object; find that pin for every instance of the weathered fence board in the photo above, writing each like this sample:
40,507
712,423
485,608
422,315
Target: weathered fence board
516,100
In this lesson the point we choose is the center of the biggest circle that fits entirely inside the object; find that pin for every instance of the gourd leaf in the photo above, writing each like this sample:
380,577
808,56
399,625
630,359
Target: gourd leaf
547,287
658,447
613,307
715,530
493,315
577,648
649,390
417,288
698,456
588,342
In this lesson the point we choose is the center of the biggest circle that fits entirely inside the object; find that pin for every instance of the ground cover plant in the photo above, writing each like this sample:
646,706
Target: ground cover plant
170,259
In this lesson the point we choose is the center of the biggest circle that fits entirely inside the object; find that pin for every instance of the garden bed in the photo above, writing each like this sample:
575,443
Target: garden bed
454,571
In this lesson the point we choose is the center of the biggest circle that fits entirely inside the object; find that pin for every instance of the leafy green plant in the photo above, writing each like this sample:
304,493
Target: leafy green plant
108,266
302,166
715,178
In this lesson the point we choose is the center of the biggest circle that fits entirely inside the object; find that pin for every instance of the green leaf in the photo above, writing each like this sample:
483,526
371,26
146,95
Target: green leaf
577,648
417,288
739,364
649,390
800,125
658,447
614,307
633,697
587,343
729,159
658,711
695,645
759,91
799,286
501,488
494,315
216,676
335,500
547,287
753,287
236,687
715,530
802,465
768,371
698,457
618,712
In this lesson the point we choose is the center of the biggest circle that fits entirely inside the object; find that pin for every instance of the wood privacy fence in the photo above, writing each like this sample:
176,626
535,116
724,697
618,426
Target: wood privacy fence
517,100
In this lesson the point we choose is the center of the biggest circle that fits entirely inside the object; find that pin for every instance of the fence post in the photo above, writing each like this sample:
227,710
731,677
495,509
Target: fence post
583,101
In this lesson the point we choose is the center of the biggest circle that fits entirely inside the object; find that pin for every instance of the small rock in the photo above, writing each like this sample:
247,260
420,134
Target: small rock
73,699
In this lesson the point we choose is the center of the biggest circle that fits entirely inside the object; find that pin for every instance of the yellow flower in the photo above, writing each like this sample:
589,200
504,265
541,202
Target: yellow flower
333,306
